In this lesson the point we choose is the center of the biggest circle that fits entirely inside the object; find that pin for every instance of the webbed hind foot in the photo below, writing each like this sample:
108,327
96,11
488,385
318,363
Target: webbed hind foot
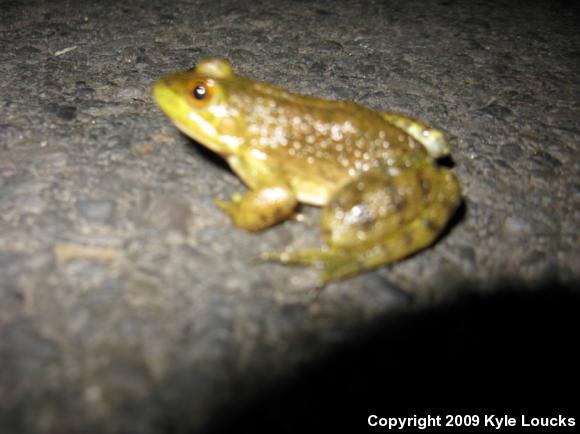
335,264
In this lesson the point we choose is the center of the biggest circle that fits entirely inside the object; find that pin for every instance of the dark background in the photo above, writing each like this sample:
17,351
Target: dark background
508,354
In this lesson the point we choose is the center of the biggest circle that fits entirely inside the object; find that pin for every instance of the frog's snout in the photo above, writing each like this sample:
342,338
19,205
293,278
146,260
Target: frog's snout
166,88
158,89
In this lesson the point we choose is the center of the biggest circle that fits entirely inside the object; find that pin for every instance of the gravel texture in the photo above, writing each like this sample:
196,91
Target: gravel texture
129,303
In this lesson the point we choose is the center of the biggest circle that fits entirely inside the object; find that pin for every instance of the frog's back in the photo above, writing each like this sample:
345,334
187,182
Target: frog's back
332,139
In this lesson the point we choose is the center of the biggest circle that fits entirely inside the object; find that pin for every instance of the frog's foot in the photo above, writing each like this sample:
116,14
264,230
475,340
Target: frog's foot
259,209
336,264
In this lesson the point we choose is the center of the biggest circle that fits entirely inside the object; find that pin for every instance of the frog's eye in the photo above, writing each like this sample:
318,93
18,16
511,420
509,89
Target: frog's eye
201,92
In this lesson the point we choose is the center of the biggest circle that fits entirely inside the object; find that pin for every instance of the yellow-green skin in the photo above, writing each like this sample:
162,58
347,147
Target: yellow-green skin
374,173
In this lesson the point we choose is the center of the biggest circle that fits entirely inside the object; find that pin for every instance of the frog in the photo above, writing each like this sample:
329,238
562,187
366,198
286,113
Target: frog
376,175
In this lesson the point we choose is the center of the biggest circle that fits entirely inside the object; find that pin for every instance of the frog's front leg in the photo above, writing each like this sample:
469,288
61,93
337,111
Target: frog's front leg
261,208
380,218
270,201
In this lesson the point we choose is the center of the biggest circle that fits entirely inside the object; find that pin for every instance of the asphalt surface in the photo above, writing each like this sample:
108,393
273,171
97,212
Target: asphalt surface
129,303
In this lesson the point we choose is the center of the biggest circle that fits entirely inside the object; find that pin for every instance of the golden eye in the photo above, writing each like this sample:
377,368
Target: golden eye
200,92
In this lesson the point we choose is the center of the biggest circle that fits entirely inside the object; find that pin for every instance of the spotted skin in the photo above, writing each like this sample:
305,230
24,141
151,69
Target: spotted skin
375,174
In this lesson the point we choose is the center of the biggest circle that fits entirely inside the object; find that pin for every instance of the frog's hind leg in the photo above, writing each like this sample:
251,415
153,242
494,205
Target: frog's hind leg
441,196
335,263
433,140
378,219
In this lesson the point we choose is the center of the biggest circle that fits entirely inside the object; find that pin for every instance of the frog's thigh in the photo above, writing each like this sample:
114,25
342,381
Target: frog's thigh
378,218
371,207
260,208
433,140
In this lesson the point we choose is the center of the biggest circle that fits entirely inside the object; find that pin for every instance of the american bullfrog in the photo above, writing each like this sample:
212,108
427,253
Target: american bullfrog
375,174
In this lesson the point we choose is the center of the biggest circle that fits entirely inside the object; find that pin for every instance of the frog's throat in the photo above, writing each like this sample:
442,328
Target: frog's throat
227,145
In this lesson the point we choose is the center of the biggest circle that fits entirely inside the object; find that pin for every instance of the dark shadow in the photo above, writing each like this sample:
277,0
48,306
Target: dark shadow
207,154
446,161
457,216
512,352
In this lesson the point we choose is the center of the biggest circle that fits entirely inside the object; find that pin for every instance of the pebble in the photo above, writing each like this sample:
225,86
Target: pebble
516,226
97,210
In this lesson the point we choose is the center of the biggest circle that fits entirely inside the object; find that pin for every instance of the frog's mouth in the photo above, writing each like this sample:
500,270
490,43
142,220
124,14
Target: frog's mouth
190,132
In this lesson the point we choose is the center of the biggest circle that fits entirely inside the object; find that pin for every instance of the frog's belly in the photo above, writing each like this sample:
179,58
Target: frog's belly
315,190
313,185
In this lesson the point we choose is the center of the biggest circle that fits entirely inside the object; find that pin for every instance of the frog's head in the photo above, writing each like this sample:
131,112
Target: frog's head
197,102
